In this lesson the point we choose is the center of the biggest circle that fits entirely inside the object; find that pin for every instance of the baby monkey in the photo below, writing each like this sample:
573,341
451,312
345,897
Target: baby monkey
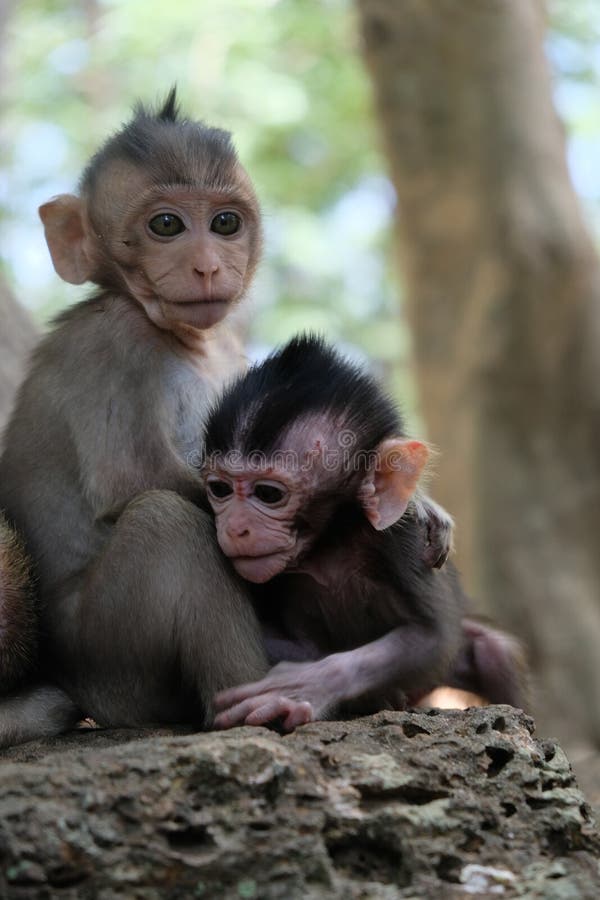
314,487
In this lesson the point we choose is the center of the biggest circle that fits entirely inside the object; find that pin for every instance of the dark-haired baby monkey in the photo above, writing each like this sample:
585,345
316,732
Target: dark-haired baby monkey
308,471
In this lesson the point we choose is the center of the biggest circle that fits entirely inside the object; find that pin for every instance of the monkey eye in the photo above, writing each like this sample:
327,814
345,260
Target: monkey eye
166,225
226,223
269,493
219,489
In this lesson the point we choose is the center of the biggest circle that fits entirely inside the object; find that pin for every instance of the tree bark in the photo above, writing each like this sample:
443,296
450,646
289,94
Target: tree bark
17,332
17,337
503,296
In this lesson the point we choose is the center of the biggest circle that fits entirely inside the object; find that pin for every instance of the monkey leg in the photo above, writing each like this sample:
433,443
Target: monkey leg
160,622
492,664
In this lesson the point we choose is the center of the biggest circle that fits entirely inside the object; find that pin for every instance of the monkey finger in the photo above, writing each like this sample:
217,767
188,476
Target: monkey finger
435,556
240,713
231,697
281,677
439,543
300,713
234,715
275,708
291,712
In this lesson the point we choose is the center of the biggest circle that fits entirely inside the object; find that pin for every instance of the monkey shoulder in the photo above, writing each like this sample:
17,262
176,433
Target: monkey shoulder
107,410
105,361
403,585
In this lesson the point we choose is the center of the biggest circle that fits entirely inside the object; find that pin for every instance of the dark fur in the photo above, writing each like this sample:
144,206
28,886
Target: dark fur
383,584
306,376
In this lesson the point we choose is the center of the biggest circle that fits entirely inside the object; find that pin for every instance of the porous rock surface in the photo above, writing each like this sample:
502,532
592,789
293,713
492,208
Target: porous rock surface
423,804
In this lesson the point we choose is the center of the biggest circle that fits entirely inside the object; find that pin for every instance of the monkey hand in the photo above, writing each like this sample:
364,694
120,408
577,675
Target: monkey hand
293,693
439,530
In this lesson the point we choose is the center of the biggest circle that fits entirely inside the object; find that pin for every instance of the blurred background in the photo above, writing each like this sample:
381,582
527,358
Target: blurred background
286,77
423,208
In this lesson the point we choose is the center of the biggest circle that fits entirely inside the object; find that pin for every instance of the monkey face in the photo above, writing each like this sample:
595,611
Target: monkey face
192,253
255,516
185,252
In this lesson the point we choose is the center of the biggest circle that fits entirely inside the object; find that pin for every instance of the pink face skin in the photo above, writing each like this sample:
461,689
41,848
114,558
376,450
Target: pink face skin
256,506
255,513
185,253
193,252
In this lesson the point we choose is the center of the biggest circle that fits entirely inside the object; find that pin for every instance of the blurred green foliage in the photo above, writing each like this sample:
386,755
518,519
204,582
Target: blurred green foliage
286,77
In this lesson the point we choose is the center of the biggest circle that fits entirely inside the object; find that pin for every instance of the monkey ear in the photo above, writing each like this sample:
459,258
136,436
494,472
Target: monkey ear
66,237
386,490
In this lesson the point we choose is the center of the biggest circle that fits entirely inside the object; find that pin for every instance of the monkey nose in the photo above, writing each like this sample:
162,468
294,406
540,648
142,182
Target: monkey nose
207,271
238,531
206,265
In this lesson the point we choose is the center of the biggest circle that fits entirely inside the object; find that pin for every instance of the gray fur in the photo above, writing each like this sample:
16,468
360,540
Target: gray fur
172,149
37,712
144,620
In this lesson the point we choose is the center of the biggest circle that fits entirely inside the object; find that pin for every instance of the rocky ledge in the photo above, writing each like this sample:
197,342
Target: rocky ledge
421,804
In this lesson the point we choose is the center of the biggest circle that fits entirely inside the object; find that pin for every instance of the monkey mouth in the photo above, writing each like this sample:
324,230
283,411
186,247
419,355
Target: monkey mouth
198,301
197,312
256,556
259,569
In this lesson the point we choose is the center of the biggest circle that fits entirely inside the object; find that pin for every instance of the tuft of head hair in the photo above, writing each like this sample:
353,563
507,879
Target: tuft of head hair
169,111
305,377
171,148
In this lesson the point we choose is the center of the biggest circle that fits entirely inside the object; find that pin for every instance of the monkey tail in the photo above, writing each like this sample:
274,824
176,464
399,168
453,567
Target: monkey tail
18,616
36,712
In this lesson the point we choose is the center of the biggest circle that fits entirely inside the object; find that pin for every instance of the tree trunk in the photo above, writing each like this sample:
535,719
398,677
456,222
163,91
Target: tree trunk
503,296
17,332
17,337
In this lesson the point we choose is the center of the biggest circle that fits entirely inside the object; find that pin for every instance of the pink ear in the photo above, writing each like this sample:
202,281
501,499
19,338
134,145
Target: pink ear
65,235
387,490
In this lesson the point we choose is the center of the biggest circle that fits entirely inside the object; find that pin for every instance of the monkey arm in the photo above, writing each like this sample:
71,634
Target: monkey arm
405,658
